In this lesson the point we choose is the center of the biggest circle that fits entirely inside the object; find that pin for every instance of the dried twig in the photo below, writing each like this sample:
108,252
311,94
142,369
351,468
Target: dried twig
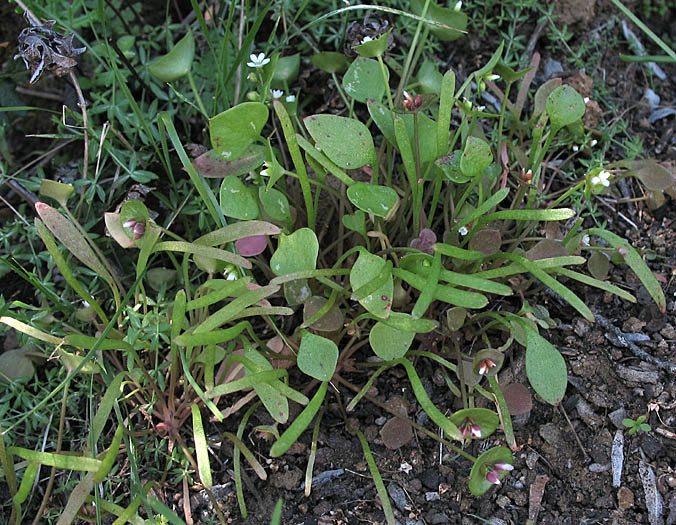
624,342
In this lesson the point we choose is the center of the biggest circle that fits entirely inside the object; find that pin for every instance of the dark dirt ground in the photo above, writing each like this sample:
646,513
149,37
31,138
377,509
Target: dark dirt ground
562,475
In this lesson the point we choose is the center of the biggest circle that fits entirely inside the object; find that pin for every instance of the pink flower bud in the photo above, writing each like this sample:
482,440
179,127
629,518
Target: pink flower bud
486,366
138,230
476,431
504,466
493,477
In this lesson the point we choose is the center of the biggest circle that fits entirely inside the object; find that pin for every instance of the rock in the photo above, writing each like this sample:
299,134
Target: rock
625,498
638,376
435,518
617,416
288,480
633,325
653,498
650,446
398,496
552,68
587,414
551,434
430,478
432,496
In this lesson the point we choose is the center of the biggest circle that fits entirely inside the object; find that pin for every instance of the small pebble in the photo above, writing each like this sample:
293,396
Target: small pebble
432,496
597,467
617,416
625,498
617,457
398,496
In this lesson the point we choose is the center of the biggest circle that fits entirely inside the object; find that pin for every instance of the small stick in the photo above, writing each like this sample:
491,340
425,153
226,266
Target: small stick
577,438
638,352
83,109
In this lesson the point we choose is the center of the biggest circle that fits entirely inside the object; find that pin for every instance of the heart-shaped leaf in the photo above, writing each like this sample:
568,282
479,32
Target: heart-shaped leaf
297,291
374,48
177,62
546,368
317,356
476,157
234,130
518,399
450,166
486,241
237,200
286,70
564,106
371,198
598,265
355,222
295,252
389,343
364,80
455,318
56,190
345,141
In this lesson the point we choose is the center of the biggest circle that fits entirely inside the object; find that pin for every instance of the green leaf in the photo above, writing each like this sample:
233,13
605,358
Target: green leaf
371,198
389,343
374,48
564,106
406,323
546,368
110,457
57,460
377,480
235,129
237,200
236,231
429,78
636,263
317,356
299,424
347,142
330,61
484,418
456,21
112,393
201,449
15,366
295,252
275,204
447,294
355,222
274,401
476,157
542,94
653,176
212,165
205,251
427,129
478,484
364,80
56,190
177,62
366,269
286,70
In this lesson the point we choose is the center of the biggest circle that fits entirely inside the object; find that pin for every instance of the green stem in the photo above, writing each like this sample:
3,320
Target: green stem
386,82
505,418
197,95
419,189
411,51
342,94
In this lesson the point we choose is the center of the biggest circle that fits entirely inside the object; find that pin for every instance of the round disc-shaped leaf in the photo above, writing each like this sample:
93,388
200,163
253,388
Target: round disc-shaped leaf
295,252
345,141
598,265
455,318
364,80
56,190
478,484
486,419
331,321
297,291
250,246
476,157
564,106
389,343
518,399
429,78
177,62
159,277
330,61
237,200
546,368
486,241
373,199
317,356
545,249
396,433
235,129
15,366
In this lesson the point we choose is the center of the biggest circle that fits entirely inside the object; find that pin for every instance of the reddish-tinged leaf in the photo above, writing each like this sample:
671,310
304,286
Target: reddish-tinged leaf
250,246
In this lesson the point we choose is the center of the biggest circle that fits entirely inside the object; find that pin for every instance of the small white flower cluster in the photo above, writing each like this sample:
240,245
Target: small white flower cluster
278,93
258,61
603,178
366,39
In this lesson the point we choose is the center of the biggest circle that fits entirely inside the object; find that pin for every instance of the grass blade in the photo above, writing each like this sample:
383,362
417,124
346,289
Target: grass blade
377,479
201,449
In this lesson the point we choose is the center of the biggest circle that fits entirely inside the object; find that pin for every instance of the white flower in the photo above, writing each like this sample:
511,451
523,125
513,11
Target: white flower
277,93
602,178
457,6
593,143
291,98
492,77
366,39
585,240
481,108
257,60
586,100
576,148
265,173
463,231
